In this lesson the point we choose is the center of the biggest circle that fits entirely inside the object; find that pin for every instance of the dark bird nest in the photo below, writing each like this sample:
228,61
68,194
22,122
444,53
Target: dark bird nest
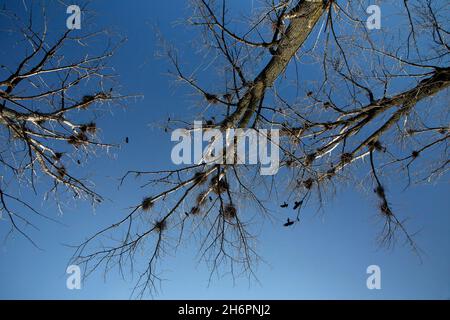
57,156
61,172
201,198
147,204
87,99
89,127
195,210
376,145
331,172
160,225
228,97
385,210
78,139
380,192
308,183
219,186
229,212
211,98
200,177
346,157
310,159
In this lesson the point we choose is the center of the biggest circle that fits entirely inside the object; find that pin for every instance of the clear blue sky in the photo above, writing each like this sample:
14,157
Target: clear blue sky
324,257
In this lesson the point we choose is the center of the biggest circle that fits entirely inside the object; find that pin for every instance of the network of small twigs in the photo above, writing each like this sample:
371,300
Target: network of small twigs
368,112
41,98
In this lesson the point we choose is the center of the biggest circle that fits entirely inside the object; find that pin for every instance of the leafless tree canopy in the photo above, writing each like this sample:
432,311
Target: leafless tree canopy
45,91
352,104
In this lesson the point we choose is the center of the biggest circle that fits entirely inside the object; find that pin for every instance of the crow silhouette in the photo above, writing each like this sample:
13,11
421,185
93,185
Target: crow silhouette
288,223
297,204
284,205
127,140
